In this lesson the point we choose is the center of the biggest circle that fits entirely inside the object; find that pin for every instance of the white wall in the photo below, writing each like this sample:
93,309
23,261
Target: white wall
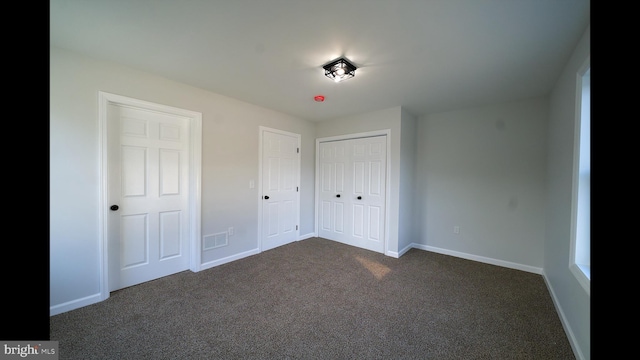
408,220
377,120
483,170
572,301
229,161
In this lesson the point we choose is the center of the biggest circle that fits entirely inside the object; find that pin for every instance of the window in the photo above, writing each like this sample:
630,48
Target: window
580,262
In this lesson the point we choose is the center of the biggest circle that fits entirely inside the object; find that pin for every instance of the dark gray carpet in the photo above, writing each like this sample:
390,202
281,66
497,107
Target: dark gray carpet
319,299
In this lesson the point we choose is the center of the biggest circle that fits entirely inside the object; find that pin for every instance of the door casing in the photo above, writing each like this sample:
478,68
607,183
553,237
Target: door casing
195,161
384,132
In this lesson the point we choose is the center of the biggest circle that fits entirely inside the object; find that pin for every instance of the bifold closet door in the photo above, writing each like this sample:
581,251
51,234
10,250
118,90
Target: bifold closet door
334,201
352,191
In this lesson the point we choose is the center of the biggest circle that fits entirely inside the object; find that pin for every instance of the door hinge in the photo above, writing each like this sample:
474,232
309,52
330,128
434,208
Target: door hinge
297,189
298,150
296,227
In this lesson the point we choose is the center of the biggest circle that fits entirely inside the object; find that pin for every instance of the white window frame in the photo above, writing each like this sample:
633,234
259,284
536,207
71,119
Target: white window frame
580,254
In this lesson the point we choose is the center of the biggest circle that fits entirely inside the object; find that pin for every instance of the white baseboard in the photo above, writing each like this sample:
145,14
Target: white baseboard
565,323
397,254
307,236
406,248
228,259
74,304
482,259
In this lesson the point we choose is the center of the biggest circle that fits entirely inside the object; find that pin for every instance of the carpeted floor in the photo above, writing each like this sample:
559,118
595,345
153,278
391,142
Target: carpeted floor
319,299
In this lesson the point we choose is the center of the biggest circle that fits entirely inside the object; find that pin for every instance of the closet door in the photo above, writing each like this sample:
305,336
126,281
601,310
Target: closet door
368,166
352,184
334,199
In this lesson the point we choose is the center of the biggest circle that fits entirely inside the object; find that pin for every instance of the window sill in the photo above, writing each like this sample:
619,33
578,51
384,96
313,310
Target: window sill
583,275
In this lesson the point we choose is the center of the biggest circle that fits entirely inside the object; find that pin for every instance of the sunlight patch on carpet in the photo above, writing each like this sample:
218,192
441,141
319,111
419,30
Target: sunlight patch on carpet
378,270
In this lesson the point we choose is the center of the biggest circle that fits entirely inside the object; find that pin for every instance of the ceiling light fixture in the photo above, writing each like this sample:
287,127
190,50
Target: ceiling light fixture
339,70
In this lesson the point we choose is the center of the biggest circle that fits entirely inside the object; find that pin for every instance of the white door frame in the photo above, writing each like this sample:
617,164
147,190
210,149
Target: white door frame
195,164
384,132
261,130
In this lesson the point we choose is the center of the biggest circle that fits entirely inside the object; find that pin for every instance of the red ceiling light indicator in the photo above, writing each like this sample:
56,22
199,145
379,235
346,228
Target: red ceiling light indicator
318,98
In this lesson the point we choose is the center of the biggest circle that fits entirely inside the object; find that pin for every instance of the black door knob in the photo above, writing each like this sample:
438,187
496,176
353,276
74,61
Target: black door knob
266,197
114,207
359,197
338,195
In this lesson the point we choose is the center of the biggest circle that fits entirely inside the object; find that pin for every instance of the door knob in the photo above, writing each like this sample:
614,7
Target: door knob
359,197
338,195
266,197
114,207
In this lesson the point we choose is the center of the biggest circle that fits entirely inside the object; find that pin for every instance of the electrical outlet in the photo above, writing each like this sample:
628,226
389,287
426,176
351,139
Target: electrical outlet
230,231
456,229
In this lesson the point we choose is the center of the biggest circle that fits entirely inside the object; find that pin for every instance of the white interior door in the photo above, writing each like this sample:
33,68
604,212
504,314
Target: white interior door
148,182
368,164
335,200
280,188
352,191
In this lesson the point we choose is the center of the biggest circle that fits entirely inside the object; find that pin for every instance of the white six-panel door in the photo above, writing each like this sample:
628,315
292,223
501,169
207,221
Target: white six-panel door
149,184
334,201
280,188
368,162
352,191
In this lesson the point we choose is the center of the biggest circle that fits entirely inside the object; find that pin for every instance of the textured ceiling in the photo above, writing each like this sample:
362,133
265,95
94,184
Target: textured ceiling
427,56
